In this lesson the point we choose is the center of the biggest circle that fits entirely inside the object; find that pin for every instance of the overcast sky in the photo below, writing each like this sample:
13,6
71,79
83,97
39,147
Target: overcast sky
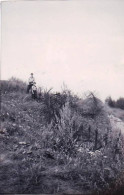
80,43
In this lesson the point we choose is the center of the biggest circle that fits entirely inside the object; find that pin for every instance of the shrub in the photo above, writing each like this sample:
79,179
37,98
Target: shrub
92,106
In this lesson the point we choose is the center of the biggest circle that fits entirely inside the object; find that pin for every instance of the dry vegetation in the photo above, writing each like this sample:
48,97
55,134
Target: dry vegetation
58,144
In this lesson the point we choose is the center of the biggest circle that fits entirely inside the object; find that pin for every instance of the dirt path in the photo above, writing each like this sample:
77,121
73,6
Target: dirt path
117,123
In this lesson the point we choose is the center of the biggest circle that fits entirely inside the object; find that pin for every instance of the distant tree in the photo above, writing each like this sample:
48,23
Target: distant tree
110,101
120,103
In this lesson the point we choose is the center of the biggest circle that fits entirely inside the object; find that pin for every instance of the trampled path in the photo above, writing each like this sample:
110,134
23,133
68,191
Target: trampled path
117,123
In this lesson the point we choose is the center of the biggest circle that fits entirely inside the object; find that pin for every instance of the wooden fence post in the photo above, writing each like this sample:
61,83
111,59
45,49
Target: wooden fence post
96,139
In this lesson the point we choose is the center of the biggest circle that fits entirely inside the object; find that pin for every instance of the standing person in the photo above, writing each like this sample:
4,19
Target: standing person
31,80
34,91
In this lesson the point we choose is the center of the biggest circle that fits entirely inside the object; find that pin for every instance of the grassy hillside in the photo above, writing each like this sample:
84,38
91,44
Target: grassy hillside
58,143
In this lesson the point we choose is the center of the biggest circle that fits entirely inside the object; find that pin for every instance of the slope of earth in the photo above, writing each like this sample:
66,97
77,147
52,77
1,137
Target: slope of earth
28,164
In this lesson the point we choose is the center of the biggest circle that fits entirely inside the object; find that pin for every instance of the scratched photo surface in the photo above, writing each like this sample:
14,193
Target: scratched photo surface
62,97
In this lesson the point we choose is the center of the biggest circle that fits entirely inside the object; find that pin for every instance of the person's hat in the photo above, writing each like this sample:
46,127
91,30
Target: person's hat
31,73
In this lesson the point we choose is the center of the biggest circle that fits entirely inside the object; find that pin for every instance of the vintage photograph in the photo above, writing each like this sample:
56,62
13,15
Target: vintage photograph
62,97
